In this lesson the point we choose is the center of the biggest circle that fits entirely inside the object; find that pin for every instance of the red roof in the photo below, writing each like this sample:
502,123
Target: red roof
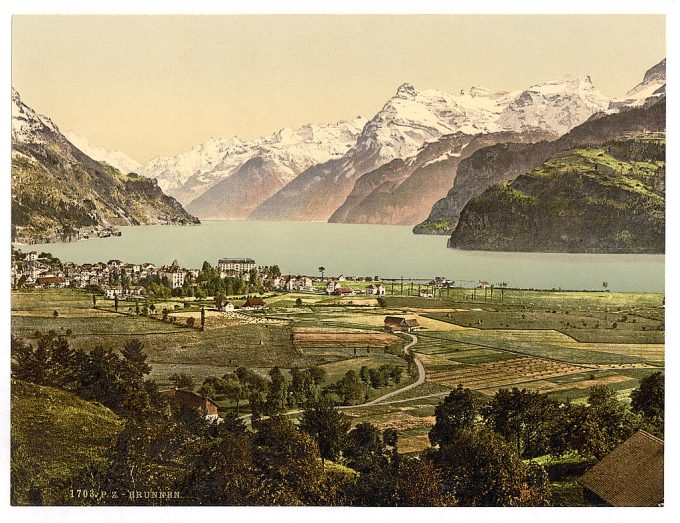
186,397
49,279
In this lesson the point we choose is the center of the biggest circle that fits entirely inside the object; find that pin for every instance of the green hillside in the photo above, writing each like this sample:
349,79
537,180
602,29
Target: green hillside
54,435
608,198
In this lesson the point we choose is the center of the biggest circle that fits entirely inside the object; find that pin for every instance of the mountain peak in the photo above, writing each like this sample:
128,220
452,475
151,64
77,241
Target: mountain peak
656,73
406,90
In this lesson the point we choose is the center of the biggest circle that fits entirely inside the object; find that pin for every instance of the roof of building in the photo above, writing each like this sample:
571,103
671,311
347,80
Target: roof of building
187,397
236,260
253,302
50,279
631,475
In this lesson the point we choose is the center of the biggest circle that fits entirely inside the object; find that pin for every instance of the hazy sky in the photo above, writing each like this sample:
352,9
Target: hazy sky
157,85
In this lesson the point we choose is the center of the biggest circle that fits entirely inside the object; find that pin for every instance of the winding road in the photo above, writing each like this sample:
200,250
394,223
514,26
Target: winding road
419,381
381,399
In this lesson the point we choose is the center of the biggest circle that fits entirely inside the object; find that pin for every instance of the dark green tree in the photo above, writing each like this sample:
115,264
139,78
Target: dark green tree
458,411
327,425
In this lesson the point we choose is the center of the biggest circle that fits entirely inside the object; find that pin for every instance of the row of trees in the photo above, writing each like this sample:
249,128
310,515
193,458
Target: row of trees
537,425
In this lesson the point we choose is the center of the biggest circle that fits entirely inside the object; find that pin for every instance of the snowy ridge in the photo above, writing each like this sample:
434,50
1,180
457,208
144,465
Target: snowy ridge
117,159
652,87
29,126
189,174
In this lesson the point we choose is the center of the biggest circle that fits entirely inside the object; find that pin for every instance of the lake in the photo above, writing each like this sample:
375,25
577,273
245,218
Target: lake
383,250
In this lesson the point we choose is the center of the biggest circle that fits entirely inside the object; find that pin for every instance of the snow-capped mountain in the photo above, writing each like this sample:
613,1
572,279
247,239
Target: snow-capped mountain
58,191
650,90
28,126
117,159
190,174
412,118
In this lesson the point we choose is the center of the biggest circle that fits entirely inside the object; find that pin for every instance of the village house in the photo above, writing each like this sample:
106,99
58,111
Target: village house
331,286
298,283
401,324
185,397
135,292
629,476
375,289
31,256
224,305
344,291
254,304
111,291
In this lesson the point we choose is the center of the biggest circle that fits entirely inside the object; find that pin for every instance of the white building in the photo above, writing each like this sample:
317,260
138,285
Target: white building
239,265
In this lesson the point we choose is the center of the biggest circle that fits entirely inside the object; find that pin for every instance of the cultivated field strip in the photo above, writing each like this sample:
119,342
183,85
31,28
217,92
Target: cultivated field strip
502,374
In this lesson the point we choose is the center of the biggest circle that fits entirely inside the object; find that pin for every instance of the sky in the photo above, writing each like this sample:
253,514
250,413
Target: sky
158,85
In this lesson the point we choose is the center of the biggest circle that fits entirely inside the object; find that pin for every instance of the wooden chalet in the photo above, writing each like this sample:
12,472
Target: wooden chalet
401,324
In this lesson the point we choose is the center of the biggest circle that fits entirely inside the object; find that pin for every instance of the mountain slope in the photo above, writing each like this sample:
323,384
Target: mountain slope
596,199
403,191
504,162
412,118
190,175
58,190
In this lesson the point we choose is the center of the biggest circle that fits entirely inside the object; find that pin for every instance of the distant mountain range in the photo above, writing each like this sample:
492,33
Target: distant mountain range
418,161
58,191
501,163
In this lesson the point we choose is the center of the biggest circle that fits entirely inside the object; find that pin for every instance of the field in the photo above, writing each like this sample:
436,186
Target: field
557,343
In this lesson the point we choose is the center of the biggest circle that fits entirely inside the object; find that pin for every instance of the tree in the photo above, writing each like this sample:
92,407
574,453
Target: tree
322,270
458,411
133,353
55,313
350,388
596,428
298,302
327,425
421,484
648,398
365,448
525,418
288,460
318,375
182,381
482,469
278,389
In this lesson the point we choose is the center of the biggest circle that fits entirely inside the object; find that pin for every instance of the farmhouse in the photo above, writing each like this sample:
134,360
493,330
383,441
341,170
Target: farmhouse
400,324
629,476
344,291
252,304
222,305
190,399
